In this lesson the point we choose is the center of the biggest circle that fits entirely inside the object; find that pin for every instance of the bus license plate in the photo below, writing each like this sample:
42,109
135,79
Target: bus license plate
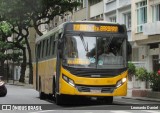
95,91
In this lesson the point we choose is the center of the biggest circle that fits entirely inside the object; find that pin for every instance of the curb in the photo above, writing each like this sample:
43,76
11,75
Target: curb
21,84
143,99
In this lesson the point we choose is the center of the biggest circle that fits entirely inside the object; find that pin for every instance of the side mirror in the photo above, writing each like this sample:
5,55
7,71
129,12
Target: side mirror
59,44
129,48
60,53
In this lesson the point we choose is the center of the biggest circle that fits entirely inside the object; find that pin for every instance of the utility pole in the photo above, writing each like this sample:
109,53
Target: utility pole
13,60
7,65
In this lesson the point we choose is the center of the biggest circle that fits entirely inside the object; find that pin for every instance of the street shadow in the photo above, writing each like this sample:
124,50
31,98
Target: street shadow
80,102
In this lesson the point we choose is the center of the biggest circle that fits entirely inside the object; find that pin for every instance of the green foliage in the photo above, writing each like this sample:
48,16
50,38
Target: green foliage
154,78
5,28
5,46
131,70
2,56
13,11
142,74
30,13
16,57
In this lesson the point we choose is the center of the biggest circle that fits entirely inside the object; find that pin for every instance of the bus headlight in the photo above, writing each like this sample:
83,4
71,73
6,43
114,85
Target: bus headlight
124,80
68,80
120,82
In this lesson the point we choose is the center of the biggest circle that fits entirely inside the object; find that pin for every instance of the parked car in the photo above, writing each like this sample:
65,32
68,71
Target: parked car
3,89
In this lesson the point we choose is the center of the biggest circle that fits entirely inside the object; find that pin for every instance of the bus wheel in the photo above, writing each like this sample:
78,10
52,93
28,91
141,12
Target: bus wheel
58,99
42,95
54,89
108,100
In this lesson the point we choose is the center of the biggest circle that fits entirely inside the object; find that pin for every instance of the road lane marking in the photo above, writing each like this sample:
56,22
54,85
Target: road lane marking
119,111
42,111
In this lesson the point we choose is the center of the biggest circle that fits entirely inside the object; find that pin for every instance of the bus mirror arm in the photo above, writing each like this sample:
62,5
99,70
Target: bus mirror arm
60,53
60,44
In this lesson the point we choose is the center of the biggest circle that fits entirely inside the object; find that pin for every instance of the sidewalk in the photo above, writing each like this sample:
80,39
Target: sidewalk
143,98
17,83
129,96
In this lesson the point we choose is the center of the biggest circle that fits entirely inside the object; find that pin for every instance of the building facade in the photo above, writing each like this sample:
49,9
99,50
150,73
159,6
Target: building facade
118,11
146,33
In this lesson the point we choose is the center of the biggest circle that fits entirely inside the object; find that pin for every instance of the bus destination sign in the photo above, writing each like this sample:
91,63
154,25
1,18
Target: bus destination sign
95,28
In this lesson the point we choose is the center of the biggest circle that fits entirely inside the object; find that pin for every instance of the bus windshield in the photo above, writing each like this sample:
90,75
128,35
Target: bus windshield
95,52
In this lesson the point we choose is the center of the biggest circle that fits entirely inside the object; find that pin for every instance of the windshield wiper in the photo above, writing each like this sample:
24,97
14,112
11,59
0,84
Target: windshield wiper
84,44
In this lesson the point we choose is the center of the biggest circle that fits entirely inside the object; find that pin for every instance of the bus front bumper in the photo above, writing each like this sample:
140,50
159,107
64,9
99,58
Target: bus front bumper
84,90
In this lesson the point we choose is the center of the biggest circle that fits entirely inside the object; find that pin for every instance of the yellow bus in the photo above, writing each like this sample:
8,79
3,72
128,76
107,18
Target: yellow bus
85,58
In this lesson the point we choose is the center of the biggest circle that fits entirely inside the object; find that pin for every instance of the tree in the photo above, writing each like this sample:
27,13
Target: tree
43,11
5,32
22,14
14,15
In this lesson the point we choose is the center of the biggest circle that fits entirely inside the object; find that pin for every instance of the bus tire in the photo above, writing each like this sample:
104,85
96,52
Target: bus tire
108,100
58,99
42,95
54,88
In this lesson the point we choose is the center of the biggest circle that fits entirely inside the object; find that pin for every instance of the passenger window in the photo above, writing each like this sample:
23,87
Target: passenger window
47,47
50,47
53,47
43,48
39,50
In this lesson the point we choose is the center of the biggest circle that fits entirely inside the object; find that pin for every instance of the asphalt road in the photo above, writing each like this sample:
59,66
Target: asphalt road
23,98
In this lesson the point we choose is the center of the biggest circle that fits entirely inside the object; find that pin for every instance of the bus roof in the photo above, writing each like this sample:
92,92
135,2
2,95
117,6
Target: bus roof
96,22
49,33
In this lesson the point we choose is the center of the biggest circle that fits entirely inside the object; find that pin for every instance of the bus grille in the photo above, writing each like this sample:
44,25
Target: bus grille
100,89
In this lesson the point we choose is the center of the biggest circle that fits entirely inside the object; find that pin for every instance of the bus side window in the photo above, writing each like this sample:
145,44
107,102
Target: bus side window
43,49
35,52
54,44
50,48
39,50
47,47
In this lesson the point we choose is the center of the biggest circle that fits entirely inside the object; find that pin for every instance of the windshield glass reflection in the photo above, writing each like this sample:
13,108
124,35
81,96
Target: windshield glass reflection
95,52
